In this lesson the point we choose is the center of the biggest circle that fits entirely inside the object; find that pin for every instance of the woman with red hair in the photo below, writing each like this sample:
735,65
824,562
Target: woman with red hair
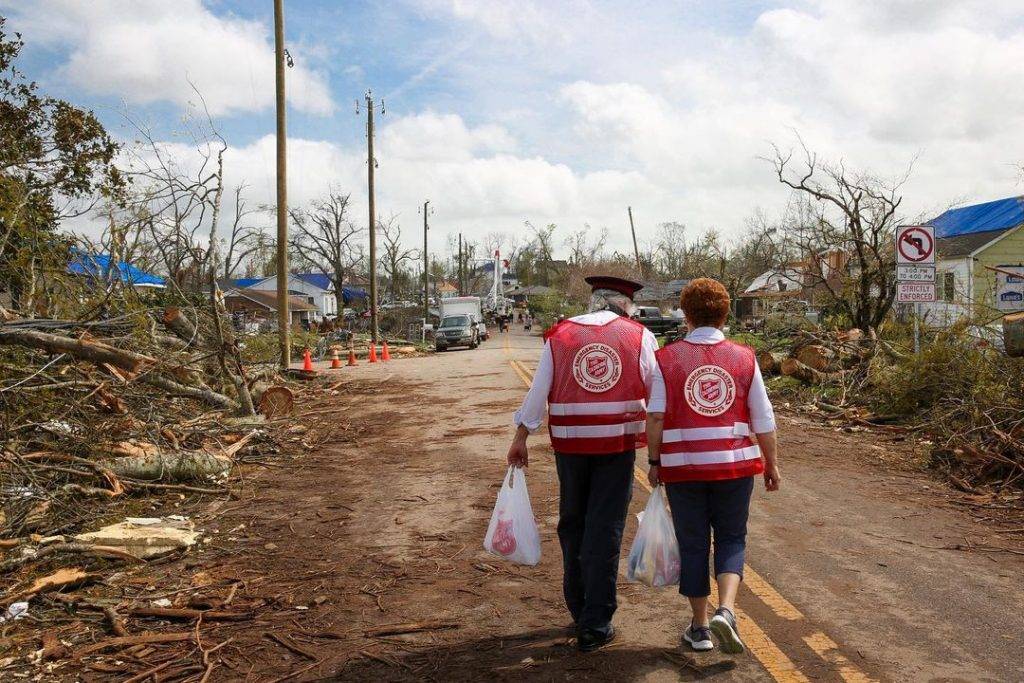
707,402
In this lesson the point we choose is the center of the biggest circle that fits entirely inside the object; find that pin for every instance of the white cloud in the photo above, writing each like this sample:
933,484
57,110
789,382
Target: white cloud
505,20
475,185
147,50
432,136
582,108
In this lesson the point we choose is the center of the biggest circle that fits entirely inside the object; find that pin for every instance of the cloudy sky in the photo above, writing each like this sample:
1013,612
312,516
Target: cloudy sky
564,111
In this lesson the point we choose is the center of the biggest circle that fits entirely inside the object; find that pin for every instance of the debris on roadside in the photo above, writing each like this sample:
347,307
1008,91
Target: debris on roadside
145,537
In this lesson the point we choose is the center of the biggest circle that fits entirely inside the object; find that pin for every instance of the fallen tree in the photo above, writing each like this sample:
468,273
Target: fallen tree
141,367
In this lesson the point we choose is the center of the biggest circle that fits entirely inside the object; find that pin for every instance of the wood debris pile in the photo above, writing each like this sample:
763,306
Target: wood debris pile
109,426
964,396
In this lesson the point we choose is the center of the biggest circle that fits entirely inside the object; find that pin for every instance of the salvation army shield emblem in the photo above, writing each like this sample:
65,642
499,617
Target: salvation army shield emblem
710,390
597,367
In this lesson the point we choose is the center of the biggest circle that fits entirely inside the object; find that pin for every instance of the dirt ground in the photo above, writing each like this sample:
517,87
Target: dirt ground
859,569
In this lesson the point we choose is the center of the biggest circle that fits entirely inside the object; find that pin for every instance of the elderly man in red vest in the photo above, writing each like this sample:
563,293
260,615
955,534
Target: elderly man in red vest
594,375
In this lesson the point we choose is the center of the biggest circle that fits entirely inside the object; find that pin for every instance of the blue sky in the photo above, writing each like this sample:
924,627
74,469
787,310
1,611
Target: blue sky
563,112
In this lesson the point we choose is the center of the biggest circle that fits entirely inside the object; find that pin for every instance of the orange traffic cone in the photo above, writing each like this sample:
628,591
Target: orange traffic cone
373,352
307,361
352,356
384,354
335,359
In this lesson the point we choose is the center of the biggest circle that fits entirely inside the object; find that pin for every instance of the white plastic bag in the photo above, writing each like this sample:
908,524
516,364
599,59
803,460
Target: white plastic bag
513,533
654,557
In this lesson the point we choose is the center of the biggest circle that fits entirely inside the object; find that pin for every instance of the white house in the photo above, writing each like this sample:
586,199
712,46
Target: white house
314,288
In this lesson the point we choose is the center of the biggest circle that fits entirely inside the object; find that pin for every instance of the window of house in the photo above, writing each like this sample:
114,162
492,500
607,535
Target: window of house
948,286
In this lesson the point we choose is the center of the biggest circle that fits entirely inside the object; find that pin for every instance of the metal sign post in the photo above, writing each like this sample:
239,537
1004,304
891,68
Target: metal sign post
915,271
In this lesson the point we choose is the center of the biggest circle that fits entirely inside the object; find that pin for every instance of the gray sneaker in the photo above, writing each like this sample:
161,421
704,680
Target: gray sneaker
723,624
699,638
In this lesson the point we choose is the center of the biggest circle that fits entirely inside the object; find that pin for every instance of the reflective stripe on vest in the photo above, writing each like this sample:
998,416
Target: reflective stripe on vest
606,408
597,431
731,455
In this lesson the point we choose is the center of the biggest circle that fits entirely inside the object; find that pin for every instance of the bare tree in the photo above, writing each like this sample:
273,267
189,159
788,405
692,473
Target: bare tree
326,239
844,226
393,256
178,200
538,255
244,239
583,250
670,249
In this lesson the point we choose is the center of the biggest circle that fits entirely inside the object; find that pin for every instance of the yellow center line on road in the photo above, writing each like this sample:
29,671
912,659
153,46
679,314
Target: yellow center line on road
773,659
829,651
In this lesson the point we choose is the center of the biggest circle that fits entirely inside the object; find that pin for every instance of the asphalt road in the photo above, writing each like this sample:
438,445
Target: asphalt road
854,571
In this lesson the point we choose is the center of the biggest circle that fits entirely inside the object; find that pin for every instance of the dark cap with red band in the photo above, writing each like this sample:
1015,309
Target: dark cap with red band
616,284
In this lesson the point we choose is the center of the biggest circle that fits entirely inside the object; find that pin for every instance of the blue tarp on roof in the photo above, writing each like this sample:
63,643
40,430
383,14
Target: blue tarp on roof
350,293
323,281
320,280
244,282
95,265
998,215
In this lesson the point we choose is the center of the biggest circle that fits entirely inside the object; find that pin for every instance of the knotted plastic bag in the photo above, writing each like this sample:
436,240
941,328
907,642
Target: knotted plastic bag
654,557
512,533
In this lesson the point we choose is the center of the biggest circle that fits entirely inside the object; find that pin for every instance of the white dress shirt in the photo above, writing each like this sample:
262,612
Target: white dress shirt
531,413
762,416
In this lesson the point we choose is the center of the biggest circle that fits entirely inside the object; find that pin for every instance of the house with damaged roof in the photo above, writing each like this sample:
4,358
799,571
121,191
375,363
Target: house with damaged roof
979,261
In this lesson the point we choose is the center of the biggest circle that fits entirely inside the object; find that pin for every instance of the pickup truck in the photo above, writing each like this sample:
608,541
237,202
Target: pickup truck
651,318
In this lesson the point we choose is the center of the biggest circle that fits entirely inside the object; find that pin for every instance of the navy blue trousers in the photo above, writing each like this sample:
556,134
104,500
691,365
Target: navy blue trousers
594,498
698,507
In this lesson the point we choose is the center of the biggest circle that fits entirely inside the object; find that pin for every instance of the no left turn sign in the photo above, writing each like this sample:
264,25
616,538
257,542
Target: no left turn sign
915,245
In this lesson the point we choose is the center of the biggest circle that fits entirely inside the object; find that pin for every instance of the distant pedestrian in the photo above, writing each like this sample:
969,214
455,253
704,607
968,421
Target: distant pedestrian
594,375
707,400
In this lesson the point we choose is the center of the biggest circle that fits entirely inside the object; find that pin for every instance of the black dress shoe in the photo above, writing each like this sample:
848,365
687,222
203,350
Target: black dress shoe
588,640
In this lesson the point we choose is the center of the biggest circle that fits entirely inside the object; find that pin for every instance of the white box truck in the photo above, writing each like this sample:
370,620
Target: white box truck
456,312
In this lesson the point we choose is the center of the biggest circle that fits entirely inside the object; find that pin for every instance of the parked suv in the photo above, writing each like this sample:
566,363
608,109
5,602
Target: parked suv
456,330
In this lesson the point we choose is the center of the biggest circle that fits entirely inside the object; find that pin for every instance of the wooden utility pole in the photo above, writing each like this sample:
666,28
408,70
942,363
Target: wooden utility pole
636,250
460,265
372,201
426,266
283,317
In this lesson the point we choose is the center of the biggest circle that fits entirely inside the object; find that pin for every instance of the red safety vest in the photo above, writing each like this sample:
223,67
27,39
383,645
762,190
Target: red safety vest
597,402
707,422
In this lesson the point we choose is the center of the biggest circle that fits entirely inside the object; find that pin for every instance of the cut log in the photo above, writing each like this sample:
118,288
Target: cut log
276,401
169,466
770,361
178,323
854,335
204,394
816,356
85,349
791,367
